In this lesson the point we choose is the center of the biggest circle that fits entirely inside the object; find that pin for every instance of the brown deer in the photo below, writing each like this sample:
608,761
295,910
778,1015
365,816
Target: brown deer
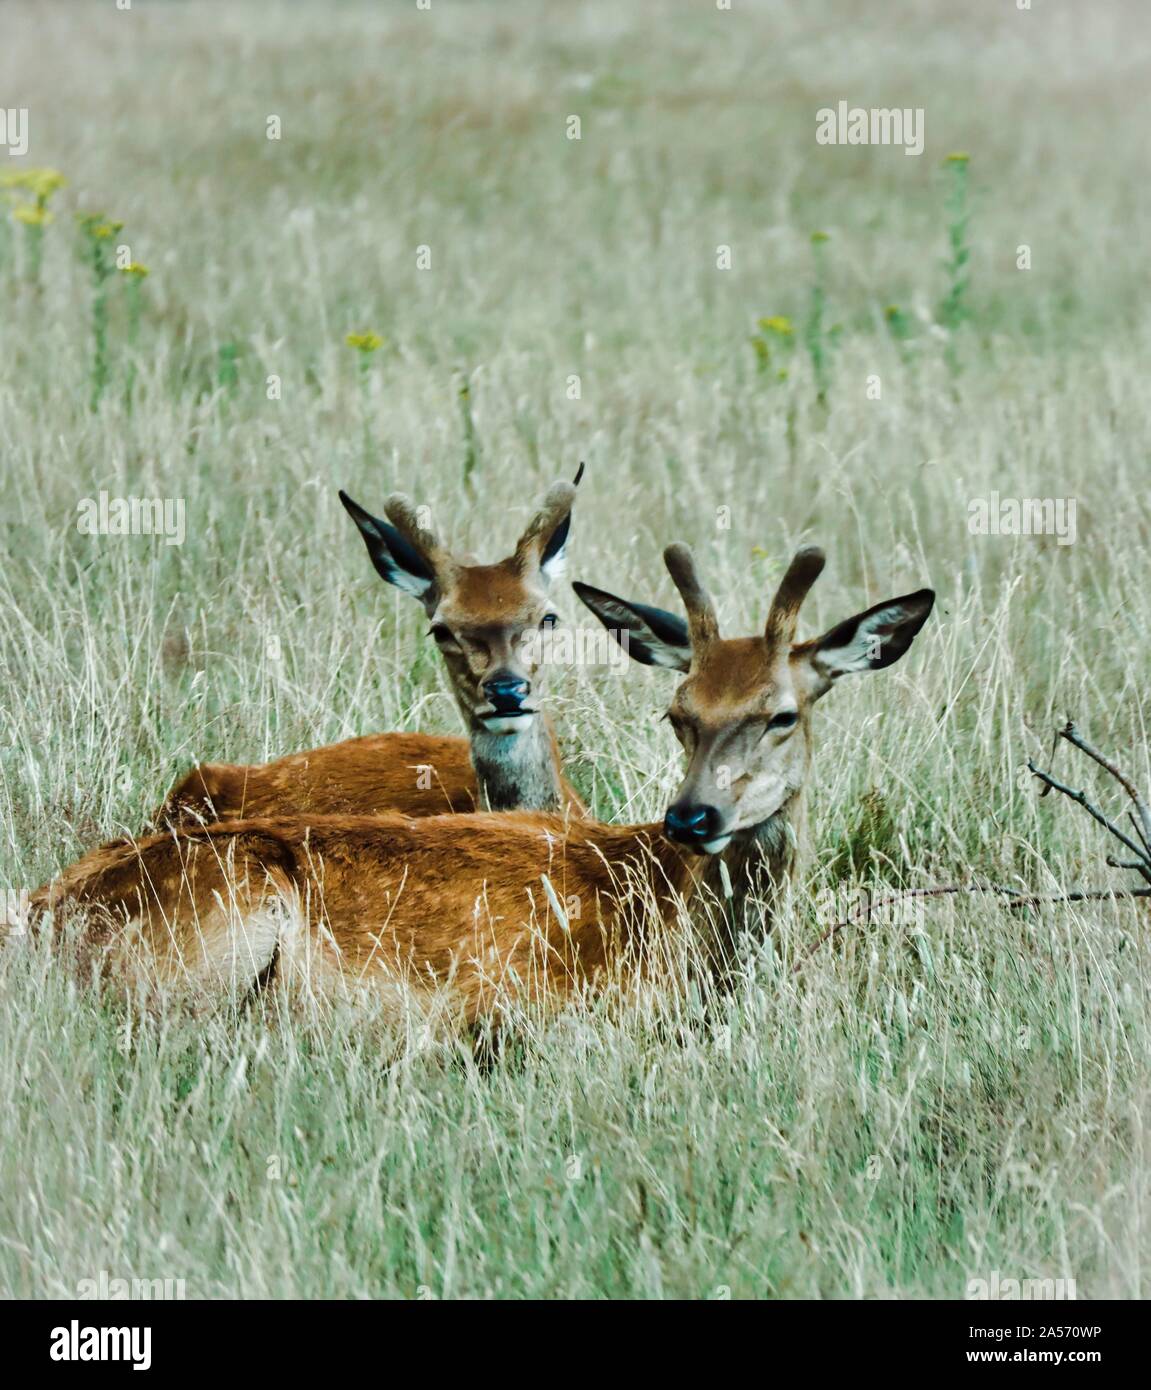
456,914
481,616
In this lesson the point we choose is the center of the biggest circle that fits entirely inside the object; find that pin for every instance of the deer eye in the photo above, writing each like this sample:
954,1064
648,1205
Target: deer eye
549,620
786,719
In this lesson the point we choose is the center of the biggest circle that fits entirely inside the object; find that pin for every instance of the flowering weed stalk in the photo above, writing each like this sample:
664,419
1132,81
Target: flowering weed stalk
898,322
953,309
97,232
134,276
365,344
775,332
471,446
815,336
33,213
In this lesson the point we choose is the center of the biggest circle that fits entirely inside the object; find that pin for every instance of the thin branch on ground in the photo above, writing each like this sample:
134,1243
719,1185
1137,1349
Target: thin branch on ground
1019,898
1140,818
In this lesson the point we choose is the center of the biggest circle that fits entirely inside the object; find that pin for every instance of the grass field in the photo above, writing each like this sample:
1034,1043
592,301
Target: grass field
920,1105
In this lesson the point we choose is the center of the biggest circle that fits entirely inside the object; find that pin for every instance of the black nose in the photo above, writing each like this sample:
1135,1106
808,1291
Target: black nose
691,825
507,693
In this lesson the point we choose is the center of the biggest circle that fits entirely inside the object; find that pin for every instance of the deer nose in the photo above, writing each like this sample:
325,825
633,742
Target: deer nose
506,693
691,825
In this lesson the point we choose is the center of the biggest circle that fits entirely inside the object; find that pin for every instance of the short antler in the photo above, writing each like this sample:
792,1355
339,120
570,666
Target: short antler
701,619
805,568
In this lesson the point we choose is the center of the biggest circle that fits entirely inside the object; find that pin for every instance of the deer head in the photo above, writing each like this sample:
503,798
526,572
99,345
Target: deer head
482,616
743,713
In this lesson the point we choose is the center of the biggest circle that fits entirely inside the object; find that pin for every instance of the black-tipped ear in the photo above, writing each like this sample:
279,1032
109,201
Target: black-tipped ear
651,636
872,640
396,559
553,559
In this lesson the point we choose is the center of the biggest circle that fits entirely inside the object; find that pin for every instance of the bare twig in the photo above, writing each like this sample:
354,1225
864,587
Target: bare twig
1142,812
1081,799
1140,819
1079,895
1018,899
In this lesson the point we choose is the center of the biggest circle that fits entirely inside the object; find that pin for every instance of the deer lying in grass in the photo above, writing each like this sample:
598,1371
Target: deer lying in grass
459,913
480,616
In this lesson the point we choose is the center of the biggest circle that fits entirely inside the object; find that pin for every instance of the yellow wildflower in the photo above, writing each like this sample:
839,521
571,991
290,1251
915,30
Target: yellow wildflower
817,237
32,215
44,182
41,183
777,323
364,342
96,225
136,269
958,158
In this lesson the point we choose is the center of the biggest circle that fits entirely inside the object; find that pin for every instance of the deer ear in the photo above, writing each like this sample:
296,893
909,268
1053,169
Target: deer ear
869,641
541,547
553,557
650,636
396,559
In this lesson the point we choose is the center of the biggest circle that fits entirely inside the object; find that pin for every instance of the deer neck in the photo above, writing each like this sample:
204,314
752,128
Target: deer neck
742,887
766,852
521,771
733,892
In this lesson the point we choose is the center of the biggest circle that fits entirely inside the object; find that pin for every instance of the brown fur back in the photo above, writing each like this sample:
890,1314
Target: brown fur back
409,774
